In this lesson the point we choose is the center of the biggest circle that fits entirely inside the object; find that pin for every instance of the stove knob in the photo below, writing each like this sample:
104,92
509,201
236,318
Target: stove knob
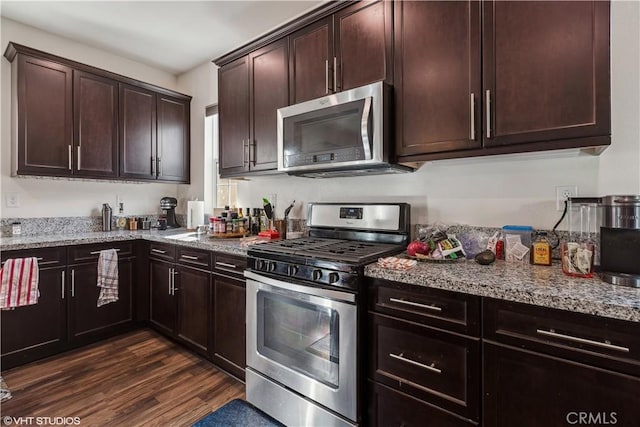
260,265
317,274
271,267
333,277
292,270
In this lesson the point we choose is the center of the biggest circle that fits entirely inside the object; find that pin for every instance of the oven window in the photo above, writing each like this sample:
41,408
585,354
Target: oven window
299,335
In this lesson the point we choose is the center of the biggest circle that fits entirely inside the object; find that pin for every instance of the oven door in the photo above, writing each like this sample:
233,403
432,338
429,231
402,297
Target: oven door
304,338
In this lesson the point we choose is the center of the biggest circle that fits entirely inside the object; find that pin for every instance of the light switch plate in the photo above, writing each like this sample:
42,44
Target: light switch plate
12,200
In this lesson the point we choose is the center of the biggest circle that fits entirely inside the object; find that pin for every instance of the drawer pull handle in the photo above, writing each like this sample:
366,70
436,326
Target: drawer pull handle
413,362
158,251
194,258
607,345
416,304
224,264
97,252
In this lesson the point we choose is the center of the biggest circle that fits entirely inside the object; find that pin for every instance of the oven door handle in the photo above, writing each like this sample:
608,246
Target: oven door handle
364,128
307,290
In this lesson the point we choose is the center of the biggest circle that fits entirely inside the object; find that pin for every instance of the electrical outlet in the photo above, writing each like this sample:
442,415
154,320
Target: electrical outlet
12,200
564,192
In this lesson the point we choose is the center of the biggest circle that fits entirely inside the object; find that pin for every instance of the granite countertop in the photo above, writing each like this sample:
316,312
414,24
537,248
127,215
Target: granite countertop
230,246
525,283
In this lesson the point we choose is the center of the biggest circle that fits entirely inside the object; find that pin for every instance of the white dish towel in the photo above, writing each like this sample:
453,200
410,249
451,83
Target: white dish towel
108,276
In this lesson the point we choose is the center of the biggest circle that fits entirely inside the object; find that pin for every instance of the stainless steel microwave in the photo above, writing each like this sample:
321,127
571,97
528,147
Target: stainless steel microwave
343,134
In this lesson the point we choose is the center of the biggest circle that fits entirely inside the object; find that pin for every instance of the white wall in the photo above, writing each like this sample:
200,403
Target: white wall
202,83
499,190
55,197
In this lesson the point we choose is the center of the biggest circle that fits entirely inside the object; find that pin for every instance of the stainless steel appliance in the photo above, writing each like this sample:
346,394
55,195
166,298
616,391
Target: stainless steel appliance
306,308
343,134
168,206
620,240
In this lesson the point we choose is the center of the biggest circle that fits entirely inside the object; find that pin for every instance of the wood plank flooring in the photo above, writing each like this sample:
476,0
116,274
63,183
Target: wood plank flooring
138,379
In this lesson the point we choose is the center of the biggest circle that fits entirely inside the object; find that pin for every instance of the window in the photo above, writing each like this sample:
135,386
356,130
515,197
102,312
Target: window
223,192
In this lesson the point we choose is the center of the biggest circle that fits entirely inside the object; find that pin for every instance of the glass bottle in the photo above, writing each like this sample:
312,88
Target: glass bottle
540,249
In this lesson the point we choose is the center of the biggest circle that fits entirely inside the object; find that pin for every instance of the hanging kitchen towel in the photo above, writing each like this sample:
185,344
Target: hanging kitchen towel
108,276
19,282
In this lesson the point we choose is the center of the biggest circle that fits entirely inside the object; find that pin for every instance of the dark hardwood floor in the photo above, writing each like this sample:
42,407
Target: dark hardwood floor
138,379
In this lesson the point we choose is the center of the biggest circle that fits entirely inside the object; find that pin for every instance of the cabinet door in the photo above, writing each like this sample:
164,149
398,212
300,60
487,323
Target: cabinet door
45,119
311,61
269,91
163,308
437,76
229,342
35,331
193,292
233,96
173,139
529,389
363,44
546,71
95,125
137,133
87,321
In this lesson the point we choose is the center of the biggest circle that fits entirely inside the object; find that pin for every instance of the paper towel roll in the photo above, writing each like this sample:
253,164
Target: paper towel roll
195,214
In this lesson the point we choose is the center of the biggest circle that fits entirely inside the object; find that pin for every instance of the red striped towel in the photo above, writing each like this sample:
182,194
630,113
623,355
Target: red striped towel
19,282
108,276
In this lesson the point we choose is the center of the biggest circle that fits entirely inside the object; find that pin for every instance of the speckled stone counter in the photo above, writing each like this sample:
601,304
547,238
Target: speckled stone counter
230,246
543,286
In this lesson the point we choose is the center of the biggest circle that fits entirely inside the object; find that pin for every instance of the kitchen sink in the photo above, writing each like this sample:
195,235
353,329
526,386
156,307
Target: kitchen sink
185,237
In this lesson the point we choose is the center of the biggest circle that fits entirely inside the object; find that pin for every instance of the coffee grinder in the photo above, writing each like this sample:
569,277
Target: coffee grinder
168,206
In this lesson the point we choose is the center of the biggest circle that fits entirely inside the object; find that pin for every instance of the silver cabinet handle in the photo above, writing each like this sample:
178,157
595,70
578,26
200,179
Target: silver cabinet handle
194,258
158,251
488,106
79,161
69,155
97,252
335,74
416,304
252,159
413,362
39,259
62,286
473,116
224,264
245,152
174,273
153,166
170,282
73,283
160,166
326,76
554,334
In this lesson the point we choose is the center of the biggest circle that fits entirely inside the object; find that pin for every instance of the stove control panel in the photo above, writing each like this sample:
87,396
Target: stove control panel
308,273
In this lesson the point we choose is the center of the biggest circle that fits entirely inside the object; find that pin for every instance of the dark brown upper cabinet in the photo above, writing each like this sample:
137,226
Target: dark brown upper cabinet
137,133
74,120
44,140
437,76
173,139
545,68
95,125
251,89
546,71
347,49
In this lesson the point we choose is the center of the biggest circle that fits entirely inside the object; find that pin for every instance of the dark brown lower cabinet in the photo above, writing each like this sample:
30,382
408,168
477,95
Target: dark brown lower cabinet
192,288
163,311
391,408
87,321
229,346
524,388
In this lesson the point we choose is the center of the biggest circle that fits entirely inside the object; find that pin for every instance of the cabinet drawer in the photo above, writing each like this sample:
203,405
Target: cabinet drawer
47,257
609,343
449,310
435,366
90,253
193,257
162,251
229,264
388,407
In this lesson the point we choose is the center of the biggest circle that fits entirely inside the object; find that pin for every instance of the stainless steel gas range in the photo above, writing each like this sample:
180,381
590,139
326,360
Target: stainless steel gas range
306,308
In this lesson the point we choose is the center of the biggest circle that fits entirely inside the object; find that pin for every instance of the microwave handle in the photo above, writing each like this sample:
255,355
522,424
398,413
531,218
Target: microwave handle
364,128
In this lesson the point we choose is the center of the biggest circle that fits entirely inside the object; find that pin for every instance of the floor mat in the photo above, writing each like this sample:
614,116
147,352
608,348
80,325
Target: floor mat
237,413
5,393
